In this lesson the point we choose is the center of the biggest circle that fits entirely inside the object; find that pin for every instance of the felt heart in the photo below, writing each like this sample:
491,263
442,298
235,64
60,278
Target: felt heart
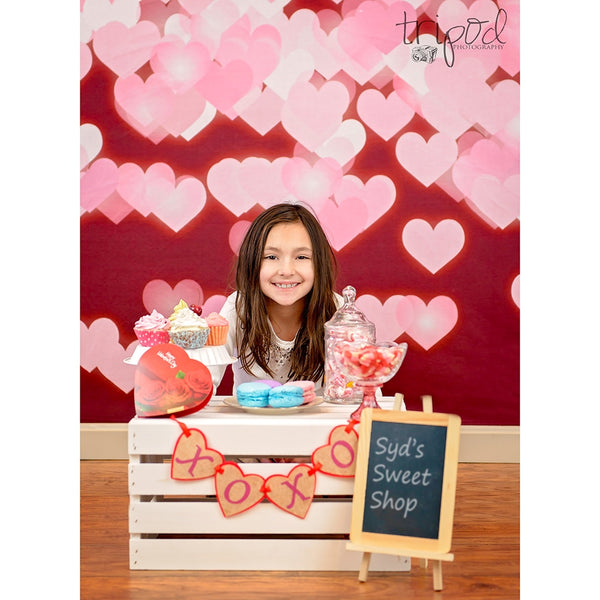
192,458
168,381
338,456
237,492
293,493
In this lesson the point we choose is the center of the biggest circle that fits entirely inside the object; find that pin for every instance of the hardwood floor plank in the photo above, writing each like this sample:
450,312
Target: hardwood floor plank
485,545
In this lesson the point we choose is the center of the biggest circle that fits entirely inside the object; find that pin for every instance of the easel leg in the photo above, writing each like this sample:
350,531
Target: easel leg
364,566
437,575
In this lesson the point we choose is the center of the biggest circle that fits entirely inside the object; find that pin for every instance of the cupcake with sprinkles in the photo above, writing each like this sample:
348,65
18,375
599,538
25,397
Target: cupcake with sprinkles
188,330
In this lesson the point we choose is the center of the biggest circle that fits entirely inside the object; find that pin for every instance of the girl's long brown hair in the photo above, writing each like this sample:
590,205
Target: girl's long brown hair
254,334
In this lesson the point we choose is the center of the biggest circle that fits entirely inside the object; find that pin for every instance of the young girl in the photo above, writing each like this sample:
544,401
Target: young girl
285,274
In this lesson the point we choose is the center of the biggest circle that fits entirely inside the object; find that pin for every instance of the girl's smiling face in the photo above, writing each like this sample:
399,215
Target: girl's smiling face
287,269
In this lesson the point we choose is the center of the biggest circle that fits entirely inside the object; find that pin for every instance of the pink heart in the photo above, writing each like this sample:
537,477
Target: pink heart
181,204
499,202
223,182
294,67
426,160
310,31
125,49
224,86
498,106
264,113
188,109
159,295
433,247
180,65
97,13
453,13
485,157
342,222
313,115
261,180
213,304
144,104
85,60
115,208
146,190
515,290
385,116
312,184
372,29
378,194
431,322
389,318
236,235
100,348
259,48
343,146
461,84
90,143
445,119
98,183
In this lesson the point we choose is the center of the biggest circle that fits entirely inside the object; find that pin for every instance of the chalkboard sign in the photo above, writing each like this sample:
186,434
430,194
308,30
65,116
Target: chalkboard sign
405,480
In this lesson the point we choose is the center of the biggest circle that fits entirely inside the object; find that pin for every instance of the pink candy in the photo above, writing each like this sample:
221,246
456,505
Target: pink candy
369,361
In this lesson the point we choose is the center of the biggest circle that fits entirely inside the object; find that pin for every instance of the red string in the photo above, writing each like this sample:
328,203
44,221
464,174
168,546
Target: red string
183,426
265,489
315,468
351,424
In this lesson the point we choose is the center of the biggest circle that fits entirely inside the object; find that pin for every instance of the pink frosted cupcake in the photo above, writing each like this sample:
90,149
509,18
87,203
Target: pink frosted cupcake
219,327
152,329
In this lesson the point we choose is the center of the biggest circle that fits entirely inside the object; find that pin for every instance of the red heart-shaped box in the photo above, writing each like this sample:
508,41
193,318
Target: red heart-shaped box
168,381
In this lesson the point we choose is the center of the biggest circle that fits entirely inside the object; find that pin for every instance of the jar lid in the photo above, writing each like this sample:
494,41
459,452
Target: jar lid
348,314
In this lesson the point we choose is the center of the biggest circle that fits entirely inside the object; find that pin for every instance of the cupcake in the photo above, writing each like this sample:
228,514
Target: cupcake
218,326
188,330
152,329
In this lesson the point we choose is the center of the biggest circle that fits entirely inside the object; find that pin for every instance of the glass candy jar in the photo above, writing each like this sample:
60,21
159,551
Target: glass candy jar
348,324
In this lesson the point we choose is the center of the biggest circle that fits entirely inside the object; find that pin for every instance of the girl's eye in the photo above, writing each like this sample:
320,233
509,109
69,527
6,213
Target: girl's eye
270,257
302,257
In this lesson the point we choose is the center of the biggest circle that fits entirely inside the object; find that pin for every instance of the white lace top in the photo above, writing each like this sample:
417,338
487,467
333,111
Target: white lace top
279,353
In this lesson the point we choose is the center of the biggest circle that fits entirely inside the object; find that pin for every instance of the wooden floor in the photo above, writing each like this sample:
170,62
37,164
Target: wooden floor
485,545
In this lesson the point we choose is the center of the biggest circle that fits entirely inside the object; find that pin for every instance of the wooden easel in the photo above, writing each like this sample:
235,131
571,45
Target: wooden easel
423,556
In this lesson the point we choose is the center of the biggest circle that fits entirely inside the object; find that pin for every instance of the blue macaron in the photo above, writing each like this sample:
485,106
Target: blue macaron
286,396
253,393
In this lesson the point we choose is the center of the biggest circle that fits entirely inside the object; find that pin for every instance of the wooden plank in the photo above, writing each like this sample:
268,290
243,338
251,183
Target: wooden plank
264,518
254,555
155,479
265,436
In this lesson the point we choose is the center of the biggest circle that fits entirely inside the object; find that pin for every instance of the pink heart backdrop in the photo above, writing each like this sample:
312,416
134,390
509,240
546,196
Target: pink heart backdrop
397,121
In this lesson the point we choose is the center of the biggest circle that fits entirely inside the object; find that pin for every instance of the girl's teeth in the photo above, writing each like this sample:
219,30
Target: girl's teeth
285,285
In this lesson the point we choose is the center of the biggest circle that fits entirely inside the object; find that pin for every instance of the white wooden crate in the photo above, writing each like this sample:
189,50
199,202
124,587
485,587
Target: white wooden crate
179,524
